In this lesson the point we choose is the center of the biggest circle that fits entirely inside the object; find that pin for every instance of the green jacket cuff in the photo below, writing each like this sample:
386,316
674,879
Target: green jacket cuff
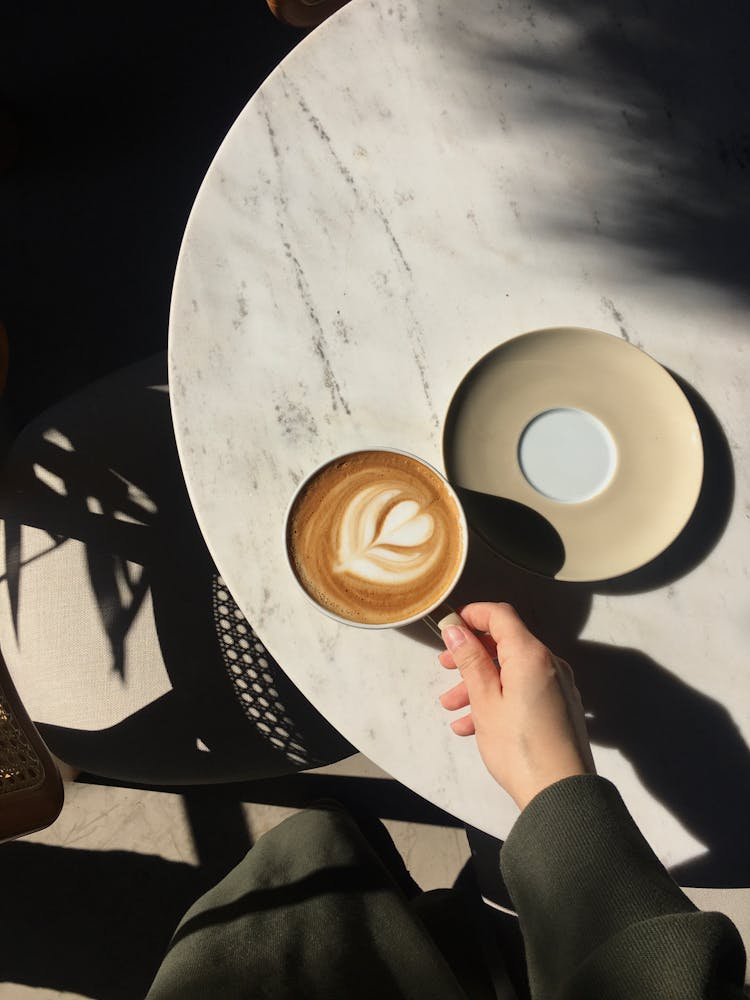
580,872
577,839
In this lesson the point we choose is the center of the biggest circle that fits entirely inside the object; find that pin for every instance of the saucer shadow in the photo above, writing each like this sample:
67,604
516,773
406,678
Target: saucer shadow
521,534
710,515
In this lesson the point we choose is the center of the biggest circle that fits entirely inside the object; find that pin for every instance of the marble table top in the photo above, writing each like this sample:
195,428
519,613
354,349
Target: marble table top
413,185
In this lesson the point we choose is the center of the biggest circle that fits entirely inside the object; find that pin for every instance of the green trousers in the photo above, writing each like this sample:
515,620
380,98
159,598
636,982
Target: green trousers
313,911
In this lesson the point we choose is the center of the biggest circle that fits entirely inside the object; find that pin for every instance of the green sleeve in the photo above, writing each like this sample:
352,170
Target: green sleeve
600,916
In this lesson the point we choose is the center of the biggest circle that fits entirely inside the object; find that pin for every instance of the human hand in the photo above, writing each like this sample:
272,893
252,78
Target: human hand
527,715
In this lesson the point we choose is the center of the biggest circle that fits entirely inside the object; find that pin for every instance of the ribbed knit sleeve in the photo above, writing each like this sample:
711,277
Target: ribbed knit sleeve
601,917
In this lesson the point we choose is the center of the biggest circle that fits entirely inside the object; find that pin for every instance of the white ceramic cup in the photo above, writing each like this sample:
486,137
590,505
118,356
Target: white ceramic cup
438,609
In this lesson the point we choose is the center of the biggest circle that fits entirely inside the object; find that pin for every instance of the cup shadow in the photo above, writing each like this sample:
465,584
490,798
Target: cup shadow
522,534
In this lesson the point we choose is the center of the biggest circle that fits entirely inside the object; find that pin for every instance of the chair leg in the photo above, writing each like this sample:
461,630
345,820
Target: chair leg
67,771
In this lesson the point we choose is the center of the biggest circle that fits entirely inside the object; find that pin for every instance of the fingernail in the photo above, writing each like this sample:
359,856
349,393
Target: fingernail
453,637
451,619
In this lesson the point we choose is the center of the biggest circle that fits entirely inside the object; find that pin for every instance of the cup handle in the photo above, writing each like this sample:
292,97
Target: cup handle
437,615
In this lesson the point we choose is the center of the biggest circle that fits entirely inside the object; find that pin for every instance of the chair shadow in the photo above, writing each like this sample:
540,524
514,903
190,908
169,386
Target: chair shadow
123,496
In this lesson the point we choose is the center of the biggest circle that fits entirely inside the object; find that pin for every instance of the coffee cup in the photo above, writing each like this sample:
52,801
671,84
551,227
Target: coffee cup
376,538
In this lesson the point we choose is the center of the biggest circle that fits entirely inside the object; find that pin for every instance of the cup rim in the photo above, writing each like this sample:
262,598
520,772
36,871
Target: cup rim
401,622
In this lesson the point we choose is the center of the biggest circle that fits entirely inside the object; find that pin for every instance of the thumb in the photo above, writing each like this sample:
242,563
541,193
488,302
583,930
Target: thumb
473,661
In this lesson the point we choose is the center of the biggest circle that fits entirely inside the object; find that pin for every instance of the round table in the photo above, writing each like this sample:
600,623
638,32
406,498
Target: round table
412,186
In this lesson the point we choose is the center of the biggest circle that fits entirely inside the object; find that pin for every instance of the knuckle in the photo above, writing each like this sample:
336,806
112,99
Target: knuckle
536,652
472,657
507,612
506,606
544,653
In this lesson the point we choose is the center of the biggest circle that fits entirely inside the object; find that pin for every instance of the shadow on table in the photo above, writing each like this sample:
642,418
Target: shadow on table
685,747
656,80
708,520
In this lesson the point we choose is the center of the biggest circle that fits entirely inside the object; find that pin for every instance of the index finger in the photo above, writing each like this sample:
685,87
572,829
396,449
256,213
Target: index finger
501,620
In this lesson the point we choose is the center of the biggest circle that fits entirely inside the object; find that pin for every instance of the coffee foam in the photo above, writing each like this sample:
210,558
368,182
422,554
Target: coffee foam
376,537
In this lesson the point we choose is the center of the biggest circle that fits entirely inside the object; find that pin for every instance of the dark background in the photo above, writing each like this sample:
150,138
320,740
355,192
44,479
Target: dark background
116,111
109,117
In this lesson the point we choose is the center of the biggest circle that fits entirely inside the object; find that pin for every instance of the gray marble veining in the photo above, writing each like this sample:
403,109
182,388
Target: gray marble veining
403,193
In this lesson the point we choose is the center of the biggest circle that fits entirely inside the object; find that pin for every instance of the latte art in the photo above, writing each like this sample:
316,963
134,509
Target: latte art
385,537
376,537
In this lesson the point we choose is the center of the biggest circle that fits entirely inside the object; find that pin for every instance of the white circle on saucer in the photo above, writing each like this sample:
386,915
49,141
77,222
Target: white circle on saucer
567,454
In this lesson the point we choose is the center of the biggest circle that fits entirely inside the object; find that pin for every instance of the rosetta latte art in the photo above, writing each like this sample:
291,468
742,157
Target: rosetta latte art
385,538
376,537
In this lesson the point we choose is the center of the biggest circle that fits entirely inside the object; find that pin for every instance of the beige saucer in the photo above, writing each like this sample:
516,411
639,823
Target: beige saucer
618,480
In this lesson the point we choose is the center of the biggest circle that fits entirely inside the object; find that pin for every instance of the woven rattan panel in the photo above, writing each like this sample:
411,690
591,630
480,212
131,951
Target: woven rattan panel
20,767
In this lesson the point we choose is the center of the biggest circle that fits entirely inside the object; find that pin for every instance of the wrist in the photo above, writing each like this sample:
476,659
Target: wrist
523,794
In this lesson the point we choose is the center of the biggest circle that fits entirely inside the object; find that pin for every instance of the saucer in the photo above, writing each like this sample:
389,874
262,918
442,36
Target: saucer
575,454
